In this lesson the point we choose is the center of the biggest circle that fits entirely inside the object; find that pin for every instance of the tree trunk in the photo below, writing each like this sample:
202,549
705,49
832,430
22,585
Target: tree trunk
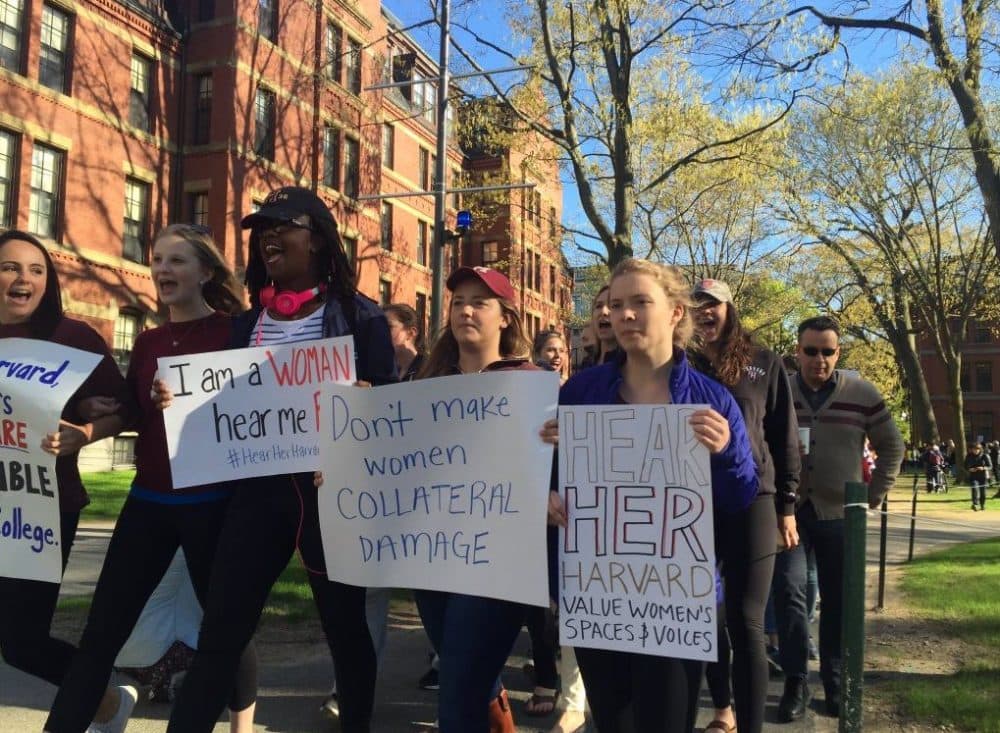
925,426
957,404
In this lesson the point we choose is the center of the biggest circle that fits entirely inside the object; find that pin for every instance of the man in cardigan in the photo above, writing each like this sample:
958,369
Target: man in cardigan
839,411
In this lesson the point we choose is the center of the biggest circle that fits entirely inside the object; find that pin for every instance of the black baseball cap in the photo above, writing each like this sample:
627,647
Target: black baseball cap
287,203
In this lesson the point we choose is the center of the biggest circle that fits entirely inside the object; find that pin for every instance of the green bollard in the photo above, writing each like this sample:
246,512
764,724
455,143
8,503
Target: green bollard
853,620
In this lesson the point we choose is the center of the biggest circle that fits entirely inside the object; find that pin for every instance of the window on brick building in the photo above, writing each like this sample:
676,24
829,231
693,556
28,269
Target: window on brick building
136,220
456,197
538,273
983,371
529,263
352,168
538,208
385,229
202,128
979,424
432,172
491,253
123,451
198,208
264,123
333,43
127,327
11,34
267,19
552,283
430,103
354,66
981,333
8,153
384,292
424,169
46,190
53,49
388,146
206,10
422,243
331,157
350,248
140,92
553,224
420,306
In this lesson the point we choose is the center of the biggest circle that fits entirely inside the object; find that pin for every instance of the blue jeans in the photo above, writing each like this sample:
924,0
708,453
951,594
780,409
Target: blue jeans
473,637
826,539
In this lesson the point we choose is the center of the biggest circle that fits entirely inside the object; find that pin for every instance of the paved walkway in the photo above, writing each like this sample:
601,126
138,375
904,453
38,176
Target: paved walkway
295,676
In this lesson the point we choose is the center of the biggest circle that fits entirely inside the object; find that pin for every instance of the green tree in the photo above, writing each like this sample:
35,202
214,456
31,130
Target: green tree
880,178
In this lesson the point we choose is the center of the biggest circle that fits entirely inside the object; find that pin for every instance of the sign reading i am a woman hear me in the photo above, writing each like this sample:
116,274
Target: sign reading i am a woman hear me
250,412
36,380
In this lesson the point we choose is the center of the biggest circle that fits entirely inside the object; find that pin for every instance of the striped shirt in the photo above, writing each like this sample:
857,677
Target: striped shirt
269,331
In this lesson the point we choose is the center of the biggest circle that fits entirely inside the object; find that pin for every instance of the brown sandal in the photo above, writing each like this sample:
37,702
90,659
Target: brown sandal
720,725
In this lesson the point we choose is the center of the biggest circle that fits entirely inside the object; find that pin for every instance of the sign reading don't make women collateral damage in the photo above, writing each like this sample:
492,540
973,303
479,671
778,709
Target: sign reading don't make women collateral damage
36,380
636,562
440,484
250,412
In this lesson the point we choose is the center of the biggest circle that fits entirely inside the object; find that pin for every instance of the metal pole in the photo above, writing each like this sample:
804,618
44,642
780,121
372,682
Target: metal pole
853,618
913,518
882,552
437,256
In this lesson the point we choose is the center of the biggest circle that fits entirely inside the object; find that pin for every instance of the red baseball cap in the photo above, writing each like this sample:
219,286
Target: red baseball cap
494,280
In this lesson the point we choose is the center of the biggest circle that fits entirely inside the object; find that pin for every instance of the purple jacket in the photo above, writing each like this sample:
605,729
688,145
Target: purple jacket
734,474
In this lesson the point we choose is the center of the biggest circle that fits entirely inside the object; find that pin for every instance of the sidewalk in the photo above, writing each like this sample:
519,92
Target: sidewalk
296,672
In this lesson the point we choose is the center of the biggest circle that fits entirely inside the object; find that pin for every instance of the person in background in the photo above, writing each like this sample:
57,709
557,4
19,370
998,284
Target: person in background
200,295
549,352
840,411
977,464
746,541
650,309
407,339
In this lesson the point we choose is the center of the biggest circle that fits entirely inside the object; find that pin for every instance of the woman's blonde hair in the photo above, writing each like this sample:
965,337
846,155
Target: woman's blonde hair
675,287
443,357
222,292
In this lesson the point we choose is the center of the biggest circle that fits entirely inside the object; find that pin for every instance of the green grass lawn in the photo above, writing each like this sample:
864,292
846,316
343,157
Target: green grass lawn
957,499
107,490
958,589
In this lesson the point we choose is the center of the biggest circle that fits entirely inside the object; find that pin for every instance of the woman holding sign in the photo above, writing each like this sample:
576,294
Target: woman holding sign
746,541
31,307
473,635
201,295
650,315
301,288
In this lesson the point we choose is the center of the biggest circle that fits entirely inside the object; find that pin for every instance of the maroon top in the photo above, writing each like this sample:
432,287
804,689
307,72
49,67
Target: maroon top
152,462
104,381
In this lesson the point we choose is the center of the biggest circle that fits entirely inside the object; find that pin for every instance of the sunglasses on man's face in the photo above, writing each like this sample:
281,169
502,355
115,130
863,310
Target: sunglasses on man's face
813,351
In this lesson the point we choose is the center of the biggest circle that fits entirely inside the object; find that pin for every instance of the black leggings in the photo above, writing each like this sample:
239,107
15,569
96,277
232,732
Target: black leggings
746,544
265,518
544,644
26,610
145,540
640,692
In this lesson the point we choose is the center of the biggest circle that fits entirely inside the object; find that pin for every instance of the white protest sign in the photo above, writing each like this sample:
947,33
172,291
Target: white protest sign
249,412
440,484
637,561
36,379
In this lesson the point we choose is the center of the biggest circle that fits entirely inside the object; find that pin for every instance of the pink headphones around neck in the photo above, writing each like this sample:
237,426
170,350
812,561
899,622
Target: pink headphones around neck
288,303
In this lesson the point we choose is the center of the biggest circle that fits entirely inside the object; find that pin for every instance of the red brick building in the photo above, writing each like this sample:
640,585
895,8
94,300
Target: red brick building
121,117
980,388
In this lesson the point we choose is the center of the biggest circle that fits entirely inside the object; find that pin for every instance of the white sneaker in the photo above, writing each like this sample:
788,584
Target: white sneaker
127,698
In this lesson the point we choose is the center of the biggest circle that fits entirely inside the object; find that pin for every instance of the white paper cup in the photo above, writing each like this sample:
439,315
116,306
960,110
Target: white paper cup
804,440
